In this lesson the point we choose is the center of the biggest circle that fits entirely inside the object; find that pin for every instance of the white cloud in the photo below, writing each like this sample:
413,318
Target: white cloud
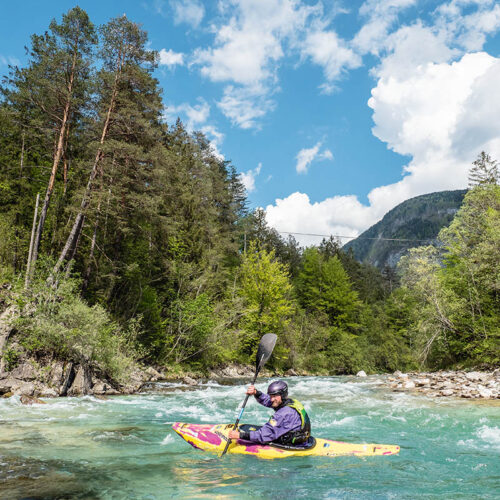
244,106
307,155
339,215
170,58
195,115
326,49
326,155
381,15
468,30
248,178
248,44
188,11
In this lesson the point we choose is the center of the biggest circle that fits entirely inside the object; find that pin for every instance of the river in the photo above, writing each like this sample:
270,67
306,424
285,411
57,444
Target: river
125,448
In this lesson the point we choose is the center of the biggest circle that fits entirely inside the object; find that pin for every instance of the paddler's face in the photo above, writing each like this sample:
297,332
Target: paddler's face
275,400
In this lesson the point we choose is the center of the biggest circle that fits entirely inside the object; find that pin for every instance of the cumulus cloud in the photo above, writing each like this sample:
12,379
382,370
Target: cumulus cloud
307,155
434,101
248,178
381,15
170,58
326,49
244,106
338,215
188,11
442,115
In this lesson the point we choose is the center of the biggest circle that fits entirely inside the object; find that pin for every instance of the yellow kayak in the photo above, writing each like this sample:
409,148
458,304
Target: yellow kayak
210,437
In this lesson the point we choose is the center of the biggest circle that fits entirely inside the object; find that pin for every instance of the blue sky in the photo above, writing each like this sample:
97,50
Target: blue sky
333,111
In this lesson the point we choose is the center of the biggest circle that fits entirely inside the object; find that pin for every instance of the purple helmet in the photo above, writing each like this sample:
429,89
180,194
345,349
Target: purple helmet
278,387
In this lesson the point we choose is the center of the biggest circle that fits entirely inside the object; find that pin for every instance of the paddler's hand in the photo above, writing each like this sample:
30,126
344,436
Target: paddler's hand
234,434
251,391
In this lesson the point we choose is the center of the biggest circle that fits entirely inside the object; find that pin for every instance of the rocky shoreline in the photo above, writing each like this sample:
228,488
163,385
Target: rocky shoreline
32,380
457,384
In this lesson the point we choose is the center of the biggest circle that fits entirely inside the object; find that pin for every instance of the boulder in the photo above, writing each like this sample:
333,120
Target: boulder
230,371
474,376
419,382
291,373
361,373
48,392
153,374
397,373
26,389
409,384
82,384
485,393
55,377
30,400
447,392
25,371
189,381
6,384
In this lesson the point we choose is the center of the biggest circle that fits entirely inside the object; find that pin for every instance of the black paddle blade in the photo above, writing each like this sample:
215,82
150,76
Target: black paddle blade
266,346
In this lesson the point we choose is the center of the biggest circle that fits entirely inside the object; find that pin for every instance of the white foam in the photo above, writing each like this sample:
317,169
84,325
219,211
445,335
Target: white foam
343,421
168,440
491,435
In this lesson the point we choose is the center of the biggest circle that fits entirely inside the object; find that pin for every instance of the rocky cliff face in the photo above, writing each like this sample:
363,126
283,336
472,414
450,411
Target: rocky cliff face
417,221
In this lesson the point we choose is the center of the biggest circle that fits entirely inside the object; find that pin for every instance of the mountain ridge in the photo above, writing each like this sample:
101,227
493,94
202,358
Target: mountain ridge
414,222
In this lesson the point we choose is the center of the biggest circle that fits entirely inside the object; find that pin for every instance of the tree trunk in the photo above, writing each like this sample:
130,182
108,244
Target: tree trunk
55,164
17,217
28,265
74,235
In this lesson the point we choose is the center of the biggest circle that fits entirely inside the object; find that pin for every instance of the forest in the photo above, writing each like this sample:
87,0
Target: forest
127,241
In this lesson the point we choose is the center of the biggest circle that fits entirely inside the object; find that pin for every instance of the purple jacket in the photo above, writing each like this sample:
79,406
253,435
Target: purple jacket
285,419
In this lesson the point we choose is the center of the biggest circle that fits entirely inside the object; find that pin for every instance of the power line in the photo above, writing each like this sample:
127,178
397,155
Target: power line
351,237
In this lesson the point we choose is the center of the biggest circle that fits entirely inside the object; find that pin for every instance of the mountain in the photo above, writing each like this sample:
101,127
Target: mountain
418,219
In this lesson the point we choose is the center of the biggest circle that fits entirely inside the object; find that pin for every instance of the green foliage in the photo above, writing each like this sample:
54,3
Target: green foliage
266,289
456,289
484,171
55,321
11,358
323,285
189,328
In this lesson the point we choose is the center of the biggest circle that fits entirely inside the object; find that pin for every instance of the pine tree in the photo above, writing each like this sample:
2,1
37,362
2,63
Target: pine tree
484,171
128,105
54,89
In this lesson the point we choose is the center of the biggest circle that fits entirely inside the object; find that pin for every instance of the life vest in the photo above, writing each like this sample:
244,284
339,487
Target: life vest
297,436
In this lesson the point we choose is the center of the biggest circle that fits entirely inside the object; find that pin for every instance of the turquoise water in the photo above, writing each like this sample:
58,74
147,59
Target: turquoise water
125,448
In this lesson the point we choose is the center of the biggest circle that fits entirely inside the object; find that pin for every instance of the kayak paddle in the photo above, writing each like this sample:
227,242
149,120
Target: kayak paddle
266,346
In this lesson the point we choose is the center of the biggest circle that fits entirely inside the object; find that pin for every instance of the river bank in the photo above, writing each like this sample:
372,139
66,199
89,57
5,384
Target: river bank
34,379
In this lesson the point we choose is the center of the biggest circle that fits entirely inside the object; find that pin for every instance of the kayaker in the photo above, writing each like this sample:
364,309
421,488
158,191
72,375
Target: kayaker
290,424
